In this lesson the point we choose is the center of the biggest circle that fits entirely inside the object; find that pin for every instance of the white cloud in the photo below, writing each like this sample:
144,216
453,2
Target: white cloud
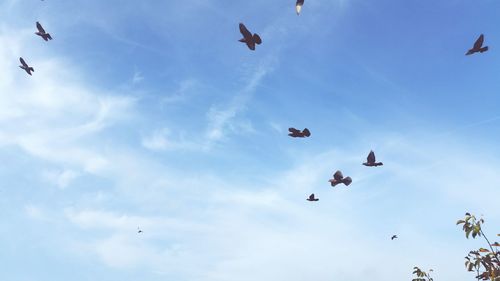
163,140
61,178
219,120
35,212
276,127
137,77
186,87
157,141
51,114
230,228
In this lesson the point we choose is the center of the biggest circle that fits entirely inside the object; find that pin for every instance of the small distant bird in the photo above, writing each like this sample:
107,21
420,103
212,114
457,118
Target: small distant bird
394,237
370,160
311,198
248,38
41,32
339,178
478,46
298,6
139,230
25,66
294,133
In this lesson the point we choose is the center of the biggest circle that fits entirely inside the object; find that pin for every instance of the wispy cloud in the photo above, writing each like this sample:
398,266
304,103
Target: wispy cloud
61,178
186,86
78,133
50,114
219,120
137,78
163,139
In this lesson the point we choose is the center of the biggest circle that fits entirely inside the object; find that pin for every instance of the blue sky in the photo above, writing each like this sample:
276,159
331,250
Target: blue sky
149,114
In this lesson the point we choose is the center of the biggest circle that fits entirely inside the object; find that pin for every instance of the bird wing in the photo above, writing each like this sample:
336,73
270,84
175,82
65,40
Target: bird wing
311,197
338,175
293,130
347,181
479,42
40,28
23,62
371,157
244,31
256,39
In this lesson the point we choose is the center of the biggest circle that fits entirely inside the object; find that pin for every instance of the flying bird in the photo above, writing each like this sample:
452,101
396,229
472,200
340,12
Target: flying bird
294,133
248,38
478,46
370,160
311,198
394,237
298,6
41,32
339,178
25,66
139,230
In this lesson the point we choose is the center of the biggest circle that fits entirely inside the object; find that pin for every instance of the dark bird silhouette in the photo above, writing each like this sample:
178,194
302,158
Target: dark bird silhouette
298,6
339,178
370,160
248,38
311,198
394,237
41,32
139,230
294,133
478,46
25,66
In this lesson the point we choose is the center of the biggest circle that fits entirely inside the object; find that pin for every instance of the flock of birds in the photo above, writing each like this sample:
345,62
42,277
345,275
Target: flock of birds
338,177
45,36
251,40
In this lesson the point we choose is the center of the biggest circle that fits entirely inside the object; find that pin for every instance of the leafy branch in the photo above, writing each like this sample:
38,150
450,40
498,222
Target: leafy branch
485,262
422,275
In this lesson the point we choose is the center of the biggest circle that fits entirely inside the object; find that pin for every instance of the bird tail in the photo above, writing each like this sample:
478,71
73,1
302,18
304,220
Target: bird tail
483,49
298,8
306,132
